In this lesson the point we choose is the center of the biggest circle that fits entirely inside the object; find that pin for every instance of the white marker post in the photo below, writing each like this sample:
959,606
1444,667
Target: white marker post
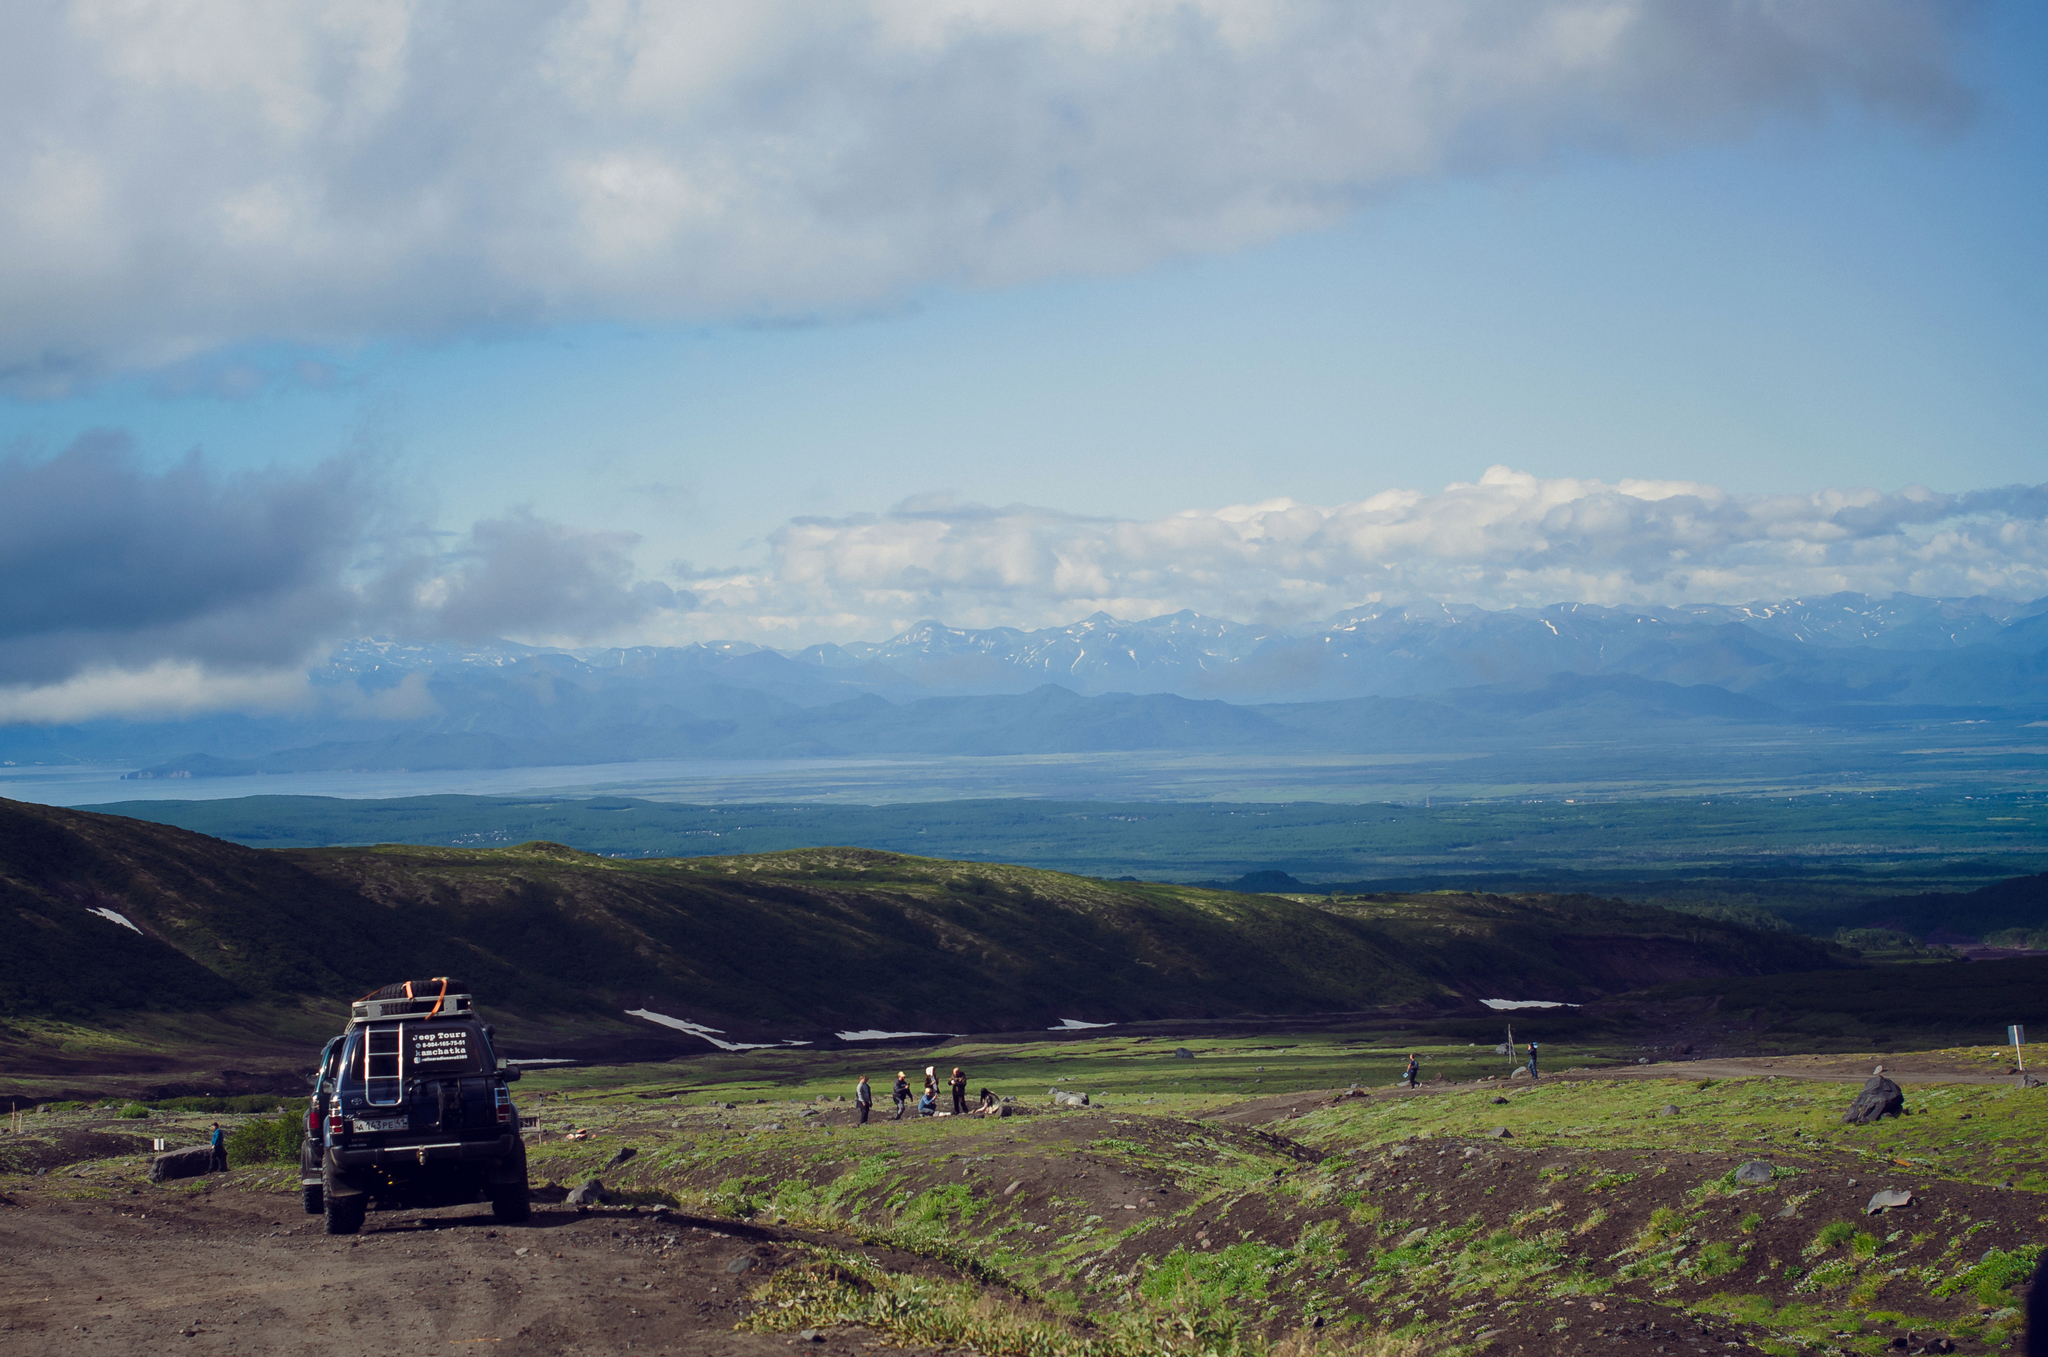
2018,1035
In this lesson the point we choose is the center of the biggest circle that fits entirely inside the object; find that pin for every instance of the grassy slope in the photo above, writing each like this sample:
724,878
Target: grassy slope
1404,1211
817,939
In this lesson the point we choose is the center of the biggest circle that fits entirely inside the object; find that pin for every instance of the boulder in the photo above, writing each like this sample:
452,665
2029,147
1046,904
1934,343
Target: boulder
1503,1049
1183,1053
1060,1099
1880,1098
590,1193
1668,1110
1500,1102
1521,1072
1887,1200
1755,1173
625,1152
187,1163
1500,1133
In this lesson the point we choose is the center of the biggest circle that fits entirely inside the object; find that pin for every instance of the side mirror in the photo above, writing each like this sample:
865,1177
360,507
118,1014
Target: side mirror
314,1078
509,1073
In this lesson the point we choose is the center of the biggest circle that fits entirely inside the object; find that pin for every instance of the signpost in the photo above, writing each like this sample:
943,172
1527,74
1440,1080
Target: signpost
2017,1035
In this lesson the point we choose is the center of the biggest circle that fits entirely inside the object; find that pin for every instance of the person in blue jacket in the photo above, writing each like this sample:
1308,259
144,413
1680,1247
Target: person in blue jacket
220,1149
1532,1060
928,1105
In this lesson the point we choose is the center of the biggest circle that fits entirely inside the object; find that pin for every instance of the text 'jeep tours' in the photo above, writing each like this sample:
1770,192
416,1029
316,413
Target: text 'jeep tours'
410,1109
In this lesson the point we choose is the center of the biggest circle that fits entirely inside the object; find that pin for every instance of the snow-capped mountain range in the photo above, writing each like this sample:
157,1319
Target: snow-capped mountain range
1369,679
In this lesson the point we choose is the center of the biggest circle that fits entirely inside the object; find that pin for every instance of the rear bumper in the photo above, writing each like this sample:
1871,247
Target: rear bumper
360,1152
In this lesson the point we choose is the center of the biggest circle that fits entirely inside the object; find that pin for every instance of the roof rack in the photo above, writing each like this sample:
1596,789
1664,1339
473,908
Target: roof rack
422,1006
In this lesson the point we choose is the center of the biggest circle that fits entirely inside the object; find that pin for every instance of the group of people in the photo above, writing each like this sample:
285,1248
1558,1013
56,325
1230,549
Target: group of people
927,1105
1413,1074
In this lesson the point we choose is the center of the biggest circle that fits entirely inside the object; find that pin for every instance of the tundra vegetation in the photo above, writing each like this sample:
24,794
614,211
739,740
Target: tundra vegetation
1280,1195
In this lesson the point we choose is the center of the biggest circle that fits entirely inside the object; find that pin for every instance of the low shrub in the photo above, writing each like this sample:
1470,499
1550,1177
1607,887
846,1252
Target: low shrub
265,1141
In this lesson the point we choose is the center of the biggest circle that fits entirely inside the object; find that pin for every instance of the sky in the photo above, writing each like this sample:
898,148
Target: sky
793,322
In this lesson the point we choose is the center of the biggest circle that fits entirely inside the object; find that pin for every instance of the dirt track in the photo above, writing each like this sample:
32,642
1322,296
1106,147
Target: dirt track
229,1271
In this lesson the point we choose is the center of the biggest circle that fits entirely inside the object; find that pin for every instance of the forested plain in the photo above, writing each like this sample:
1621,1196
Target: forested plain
1812,860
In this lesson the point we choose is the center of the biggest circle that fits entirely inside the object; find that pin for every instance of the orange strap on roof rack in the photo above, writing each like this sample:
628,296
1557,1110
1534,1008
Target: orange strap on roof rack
439,999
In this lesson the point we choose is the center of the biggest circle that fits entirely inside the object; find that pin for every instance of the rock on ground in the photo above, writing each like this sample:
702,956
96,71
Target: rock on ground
1880,1098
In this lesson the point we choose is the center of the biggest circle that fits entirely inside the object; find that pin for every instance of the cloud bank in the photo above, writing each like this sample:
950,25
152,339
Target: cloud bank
183,176
125,588
1506,539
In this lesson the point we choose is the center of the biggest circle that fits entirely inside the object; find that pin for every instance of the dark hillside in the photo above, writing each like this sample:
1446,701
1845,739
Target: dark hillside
2019,903
780,944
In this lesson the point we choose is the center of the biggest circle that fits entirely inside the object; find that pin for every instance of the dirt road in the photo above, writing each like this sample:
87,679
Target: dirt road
241,1272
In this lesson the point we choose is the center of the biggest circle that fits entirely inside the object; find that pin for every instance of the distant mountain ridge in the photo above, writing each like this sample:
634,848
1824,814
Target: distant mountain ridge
1373,678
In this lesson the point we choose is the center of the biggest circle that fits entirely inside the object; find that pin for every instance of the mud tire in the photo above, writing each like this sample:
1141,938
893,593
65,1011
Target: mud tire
510,1203
345,1214
314,1200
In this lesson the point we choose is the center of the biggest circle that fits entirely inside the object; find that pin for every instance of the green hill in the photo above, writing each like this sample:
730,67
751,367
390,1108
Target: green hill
779,945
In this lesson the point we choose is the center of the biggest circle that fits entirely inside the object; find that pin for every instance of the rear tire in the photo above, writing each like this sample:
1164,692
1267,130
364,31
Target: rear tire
510,1203
345,1214
314,1200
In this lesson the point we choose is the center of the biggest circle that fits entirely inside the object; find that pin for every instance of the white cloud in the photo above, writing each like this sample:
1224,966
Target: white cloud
170,688
1507,539
182,176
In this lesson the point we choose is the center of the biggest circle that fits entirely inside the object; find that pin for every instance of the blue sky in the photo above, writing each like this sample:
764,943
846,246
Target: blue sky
1809,289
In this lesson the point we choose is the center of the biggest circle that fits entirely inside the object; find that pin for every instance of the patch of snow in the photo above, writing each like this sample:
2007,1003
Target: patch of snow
870,1034
1526,1003
545,1060
697,1029
118,918
1075,1025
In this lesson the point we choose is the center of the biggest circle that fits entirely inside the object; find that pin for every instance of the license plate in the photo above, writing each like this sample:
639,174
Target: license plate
382,1124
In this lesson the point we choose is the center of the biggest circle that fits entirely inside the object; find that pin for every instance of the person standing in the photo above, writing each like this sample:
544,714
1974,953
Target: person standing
901,1093
958,1083
219,1161
1413,1073
863,1099
1532,1060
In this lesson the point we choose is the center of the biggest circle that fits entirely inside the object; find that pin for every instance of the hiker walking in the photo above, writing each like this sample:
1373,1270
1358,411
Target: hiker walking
219,1161
863,1099
1532,1060
958,1083
1413,1073
901,1093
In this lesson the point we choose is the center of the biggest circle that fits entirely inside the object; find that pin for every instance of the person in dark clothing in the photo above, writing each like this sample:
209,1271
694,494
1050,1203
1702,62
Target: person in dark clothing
220,1150
901,1093
863,1099
1532,1060
958,1083
1412,1073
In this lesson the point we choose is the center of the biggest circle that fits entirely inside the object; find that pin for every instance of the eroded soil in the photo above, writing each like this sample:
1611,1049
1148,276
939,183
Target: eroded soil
233,1271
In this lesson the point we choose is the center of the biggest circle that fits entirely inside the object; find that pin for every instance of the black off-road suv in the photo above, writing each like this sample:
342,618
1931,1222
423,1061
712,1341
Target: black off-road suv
410,1109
